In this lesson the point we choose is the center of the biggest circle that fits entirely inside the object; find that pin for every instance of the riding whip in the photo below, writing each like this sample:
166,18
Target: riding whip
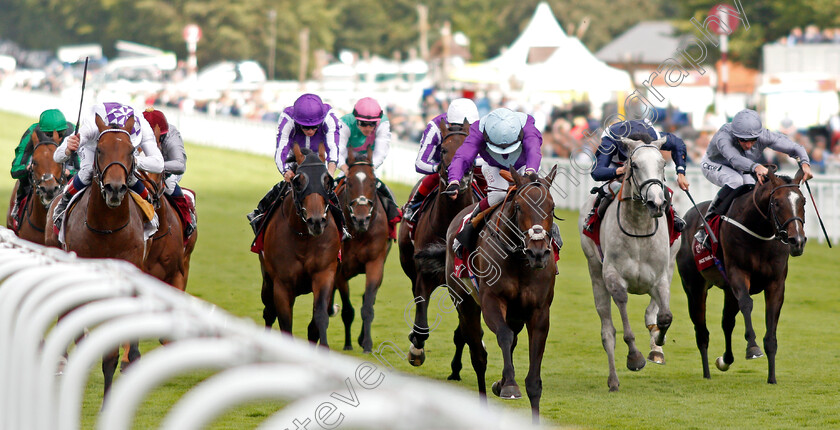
818,213
702,218
79,118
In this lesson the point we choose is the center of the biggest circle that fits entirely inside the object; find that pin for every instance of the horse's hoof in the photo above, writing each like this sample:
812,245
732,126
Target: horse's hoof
635,361
754,352
334,310
511,392
496,388
656,357
124,365
454,377
721,365
59,370
614,389
416,357
348,347
367,350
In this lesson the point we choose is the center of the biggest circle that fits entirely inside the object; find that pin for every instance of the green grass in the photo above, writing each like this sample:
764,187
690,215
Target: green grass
574,371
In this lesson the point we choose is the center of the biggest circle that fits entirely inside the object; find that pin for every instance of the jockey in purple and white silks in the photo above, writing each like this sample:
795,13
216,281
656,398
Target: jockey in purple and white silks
504,139
309,123
85,141
428,159
736,151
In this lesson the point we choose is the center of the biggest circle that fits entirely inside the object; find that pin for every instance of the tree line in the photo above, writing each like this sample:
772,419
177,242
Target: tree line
240,29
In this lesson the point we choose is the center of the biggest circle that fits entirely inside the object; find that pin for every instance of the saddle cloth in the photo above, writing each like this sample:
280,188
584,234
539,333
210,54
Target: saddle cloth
150,219
704,258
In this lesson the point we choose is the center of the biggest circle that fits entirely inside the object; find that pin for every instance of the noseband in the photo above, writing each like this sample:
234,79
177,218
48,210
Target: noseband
98,173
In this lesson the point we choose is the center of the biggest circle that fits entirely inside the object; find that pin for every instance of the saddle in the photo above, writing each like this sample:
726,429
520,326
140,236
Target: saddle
279,192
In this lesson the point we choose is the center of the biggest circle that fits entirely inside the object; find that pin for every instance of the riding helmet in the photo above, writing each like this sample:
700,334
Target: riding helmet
309,110
503,130
746,124
156,118
52,120
367,109
460,110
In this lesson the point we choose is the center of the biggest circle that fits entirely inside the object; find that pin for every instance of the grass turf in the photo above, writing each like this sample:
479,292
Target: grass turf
224,271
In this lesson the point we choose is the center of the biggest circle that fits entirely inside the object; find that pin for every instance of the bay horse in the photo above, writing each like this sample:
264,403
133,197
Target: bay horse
301,246
635,255
431,229
46,178
367,250
513,268
106,224
760,230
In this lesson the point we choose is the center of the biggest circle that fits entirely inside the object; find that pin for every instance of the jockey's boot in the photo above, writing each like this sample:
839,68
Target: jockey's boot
555,235
256,217
599,207
72,188
338,215
392,211
466,239
186,212
718,206
141,190
426,186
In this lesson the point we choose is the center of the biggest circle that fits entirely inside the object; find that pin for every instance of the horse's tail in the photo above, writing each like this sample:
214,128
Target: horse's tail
431,260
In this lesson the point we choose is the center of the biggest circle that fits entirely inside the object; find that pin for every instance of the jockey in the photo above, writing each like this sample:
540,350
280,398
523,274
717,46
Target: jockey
428,158
736,152
610,158
174,164
503,138
54,125
85,142
308,123
367,127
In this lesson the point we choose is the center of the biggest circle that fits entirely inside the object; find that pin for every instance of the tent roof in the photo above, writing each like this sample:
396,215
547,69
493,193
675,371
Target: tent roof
649,42
573,68
542,32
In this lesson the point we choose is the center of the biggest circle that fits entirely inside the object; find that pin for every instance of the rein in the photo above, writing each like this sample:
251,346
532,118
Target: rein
99,172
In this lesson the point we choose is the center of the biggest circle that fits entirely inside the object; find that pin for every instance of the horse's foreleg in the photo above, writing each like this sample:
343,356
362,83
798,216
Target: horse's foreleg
267,296
727,323
617,288
656,354
347,311
537,333
495,318
774,297
373,280
456,365
322,289
740,287
282,304
469,326
603,307
420,330
109,367
695,291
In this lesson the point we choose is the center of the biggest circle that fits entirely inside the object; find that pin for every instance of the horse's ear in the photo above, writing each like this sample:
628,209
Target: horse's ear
351,156
771,170
444,127
322,153
369,153
300,181
550,176
100,124
298,155
35,139
129,125
517,178
659,142
629,145
466,124
327,181
799,176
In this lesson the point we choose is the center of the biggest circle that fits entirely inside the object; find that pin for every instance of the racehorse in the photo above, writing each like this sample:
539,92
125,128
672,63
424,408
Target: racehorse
301,248
634,255
515,282
757,234
106,224
367,250
431,229
47,177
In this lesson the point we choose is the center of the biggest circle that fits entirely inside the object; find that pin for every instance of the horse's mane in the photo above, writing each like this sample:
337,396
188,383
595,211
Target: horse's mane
643,137
305,151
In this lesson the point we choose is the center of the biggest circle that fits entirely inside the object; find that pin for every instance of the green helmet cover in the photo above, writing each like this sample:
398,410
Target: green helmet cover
52,120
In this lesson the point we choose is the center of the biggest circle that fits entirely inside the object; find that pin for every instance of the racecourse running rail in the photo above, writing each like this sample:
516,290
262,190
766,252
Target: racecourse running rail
115,302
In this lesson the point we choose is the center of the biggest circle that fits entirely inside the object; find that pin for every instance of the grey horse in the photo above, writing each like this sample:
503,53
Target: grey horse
637,257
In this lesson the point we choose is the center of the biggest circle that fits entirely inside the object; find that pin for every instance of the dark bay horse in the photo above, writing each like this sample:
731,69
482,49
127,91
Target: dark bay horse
106,222
761,229
300,254
46,178
514,268
431,229
367,250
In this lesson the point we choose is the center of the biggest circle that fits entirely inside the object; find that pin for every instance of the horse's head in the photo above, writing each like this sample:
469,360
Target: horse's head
114,160
533,212
360,189
311,184
781,201
451,138
45,175
645,172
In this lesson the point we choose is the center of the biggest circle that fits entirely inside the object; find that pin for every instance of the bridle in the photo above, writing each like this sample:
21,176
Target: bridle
362,200
780,233
536,233
36,182
298,197
98,172
639,196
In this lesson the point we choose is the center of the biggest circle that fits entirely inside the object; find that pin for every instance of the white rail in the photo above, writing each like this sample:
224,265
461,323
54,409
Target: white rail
115,302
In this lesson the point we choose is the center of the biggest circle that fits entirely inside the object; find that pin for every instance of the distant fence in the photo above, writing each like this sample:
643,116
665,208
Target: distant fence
117,302
570,191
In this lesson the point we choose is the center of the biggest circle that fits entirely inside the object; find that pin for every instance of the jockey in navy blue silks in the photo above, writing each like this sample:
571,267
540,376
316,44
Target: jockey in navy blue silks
610,157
